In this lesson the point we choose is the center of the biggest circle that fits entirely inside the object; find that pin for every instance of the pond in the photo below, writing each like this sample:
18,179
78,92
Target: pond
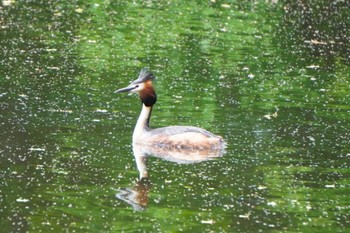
270,77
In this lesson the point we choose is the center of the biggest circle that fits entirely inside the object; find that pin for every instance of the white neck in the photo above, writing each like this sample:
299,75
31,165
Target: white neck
142,122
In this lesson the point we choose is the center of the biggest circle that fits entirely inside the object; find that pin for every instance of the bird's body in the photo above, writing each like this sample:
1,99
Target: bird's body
182,137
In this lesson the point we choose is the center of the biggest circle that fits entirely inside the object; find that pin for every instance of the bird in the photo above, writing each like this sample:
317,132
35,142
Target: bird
179,137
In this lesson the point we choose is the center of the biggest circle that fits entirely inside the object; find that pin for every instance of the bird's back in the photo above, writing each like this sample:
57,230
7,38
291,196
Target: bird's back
184,137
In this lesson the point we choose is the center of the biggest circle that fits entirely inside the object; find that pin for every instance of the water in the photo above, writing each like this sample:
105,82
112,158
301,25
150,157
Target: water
272,78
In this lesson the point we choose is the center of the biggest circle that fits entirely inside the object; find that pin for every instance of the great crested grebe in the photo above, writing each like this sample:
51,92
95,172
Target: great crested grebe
182,137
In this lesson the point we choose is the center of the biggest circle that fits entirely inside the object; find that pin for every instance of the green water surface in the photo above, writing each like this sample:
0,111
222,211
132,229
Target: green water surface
271,77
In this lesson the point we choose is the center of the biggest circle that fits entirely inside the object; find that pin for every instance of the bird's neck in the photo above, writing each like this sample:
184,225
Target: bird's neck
142,124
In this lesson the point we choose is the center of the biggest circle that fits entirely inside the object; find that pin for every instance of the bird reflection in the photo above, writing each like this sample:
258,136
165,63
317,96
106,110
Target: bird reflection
137,194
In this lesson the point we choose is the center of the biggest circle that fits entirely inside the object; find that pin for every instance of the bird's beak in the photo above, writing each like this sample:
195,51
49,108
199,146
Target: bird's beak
126,89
